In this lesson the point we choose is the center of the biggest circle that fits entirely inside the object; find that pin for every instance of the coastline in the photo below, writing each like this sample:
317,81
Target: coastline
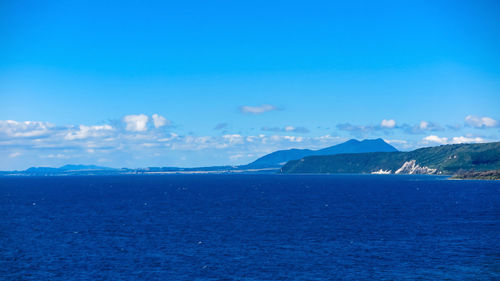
484,175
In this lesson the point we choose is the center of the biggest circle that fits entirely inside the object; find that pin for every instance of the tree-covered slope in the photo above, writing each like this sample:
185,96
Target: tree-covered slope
446,159
451,158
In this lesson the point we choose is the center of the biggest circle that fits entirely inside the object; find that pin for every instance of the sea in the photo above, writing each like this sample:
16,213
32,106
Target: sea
249,227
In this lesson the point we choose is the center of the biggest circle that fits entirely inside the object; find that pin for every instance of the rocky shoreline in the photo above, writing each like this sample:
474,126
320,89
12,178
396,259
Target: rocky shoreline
486,175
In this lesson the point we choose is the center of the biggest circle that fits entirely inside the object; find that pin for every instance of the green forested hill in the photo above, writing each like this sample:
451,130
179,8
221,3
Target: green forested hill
446,159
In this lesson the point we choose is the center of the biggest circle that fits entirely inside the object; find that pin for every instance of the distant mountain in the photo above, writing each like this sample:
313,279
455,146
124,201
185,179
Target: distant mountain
444,159
71,167
36,170
355,146
66,169
280,157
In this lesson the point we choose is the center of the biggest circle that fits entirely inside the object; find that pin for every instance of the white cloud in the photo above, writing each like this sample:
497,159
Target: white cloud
89,131
293,138
453,140
25,129
234,139
388,123
136,123
436,139
400,144
395,141
481,122
467,140
257,109
160,121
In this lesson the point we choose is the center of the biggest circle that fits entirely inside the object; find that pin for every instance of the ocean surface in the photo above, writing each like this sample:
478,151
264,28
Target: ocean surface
249,227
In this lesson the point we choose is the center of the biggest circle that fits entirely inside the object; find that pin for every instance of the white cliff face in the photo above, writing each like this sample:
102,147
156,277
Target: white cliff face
412,168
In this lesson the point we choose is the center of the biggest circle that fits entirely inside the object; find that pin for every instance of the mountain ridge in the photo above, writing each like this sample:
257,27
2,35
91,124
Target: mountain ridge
281,157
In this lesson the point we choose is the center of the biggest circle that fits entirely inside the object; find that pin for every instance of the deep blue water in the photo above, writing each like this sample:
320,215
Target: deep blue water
249,227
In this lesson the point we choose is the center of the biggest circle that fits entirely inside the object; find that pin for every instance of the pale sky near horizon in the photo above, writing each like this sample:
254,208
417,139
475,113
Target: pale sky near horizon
128,84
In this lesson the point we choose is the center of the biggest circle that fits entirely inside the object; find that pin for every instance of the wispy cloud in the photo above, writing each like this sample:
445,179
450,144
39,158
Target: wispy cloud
247,109
386,126
354,128
88,131
25,129
300,130
421,128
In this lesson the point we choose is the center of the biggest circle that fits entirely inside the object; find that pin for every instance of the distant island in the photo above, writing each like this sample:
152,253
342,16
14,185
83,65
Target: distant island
464,161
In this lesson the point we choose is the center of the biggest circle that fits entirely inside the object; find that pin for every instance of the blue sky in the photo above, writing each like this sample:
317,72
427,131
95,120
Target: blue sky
229,81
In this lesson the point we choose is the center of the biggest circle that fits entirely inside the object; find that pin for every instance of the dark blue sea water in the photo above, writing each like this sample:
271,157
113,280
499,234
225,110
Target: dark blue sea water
249,227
